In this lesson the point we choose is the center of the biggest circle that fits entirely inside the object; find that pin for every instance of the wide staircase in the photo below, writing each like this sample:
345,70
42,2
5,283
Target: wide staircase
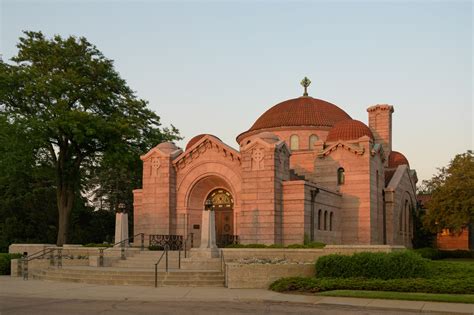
138,269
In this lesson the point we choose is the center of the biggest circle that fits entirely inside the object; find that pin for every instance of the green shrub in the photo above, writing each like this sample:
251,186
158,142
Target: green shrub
97,245
435,254
313,285
428,253
396,265
5,262
308,245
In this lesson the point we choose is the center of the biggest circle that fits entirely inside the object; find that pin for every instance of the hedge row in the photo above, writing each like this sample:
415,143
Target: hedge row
433,285
5,262
435,254
395,265
307,245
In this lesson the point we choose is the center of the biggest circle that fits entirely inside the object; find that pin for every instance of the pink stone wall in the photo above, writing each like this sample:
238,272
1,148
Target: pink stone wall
264,166
399,193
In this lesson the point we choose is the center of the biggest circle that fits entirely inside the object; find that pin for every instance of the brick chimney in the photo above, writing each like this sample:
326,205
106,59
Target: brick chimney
380,122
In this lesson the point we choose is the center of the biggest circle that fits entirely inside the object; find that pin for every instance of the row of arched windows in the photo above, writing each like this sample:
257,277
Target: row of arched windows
295,141
325,223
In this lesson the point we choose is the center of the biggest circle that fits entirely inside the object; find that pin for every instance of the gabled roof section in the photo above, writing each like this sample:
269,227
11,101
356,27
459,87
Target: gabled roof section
344,145
205,142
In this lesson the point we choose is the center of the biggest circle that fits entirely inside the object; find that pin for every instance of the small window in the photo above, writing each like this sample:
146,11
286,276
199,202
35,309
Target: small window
330,221
294,142
325,220
319,219
341,176
312,141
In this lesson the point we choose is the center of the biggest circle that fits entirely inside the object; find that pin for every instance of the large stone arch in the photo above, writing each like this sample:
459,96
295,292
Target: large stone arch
193,188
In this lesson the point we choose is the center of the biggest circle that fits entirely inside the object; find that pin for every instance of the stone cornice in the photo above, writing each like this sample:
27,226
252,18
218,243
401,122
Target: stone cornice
381,107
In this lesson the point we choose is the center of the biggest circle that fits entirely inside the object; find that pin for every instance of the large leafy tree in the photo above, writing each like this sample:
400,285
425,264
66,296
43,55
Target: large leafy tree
67,95
452,195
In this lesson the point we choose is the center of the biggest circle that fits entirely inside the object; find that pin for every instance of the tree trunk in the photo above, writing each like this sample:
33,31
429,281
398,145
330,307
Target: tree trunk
65,196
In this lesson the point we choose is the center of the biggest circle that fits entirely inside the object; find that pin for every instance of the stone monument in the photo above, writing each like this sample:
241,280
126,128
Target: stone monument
208,248
121,226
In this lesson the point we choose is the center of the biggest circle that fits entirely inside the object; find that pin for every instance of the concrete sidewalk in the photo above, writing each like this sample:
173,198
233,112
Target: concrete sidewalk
17,287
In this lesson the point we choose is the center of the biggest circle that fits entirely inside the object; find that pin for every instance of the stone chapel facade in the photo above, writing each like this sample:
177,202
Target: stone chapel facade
305,169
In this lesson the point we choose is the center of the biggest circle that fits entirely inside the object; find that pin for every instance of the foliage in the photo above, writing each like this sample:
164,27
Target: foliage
443,277
97,245
395,265
435,254
452,195
263,246
5,262
422,237
85,124
435,297
313,285
27,193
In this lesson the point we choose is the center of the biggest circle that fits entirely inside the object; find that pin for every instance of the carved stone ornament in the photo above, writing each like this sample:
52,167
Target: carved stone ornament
257,158
155,165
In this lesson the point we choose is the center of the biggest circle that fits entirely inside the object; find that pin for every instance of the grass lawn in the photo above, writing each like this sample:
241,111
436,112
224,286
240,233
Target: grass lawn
452,298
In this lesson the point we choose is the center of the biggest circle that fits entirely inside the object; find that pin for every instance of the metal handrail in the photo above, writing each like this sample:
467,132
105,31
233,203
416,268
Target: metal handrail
186,244
50,250
122,248
166,250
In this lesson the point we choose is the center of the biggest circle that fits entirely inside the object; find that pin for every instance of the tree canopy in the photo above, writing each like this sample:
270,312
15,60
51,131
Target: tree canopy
452,195
83,120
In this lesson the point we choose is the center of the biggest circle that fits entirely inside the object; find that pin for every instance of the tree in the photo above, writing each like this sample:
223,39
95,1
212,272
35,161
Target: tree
67,95
452,195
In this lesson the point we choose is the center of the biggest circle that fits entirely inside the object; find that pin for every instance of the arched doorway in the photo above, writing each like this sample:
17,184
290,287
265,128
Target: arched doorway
223,205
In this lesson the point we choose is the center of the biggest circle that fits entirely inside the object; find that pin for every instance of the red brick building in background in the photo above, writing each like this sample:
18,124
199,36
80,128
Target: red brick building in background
304,170
447,240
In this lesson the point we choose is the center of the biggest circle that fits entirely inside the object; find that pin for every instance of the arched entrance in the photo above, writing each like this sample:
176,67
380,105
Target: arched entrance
223,196
223,205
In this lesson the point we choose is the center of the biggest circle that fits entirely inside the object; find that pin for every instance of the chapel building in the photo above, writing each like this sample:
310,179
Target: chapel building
305,170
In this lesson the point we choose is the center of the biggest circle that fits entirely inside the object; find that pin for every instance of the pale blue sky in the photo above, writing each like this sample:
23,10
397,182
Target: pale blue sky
211,67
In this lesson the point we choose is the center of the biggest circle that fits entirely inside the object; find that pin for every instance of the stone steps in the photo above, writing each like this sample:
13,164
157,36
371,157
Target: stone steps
128,277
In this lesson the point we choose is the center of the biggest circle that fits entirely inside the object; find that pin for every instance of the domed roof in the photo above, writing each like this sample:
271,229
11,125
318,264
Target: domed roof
167,147
396,159
301,111
195,139
349,130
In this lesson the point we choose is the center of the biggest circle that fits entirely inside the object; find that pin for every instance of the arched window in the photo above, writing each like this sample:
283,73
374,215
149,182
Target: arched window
312,141
341,177
294,142
330,221
325,220
319,219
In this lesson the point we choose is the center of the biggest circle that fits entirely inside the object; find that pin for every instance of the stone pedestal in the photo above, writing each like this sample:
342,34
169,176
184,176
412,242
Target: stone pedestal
121,228
208,248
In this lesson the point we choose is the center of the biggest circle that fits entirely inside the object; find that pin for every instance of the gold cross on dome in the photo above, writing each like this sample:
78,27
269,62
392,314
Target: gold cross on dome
305,83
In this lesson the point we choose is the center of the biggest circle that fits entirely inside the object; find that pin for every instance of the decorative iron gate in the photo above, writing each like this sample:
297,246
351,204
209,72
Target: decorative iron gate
174,242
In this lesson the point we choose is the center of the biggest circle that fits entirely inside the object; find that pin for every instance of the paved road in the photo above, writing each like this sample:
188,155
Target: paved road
47,306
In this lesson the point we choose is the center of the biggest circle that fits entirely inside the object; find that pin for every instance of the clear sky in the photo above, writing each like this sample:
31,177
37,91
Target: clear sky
215,67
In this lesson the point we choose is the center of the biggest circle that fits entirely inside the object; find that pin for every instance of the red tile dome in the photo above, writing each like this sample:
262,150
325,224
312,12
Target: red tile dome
298,112
349,130
396,159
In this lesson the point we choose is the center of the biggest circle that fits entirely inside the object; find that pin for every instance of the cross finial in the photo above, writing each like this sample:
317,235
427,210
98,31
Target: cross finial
305,83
